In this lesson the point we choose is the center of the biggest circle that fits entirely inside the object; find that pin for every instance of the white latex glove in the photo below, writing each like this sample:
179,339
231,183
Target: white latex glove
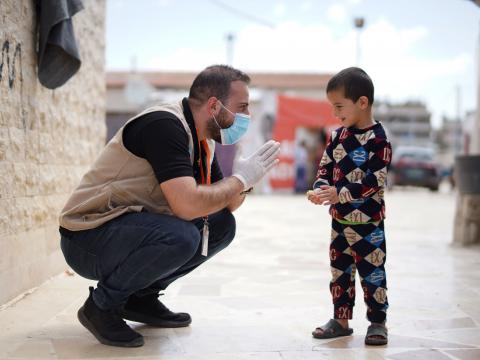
251,169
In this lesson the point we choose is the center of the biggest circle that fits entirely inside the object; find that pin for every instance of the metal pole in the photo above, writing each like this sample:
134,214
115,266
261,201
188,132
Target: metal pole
230,40
359,23
475,143
458,133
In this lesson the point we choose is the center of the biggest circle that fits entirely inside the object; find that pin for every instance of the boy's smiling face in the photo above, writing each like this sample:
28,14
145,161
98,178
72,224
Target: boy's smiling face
348,112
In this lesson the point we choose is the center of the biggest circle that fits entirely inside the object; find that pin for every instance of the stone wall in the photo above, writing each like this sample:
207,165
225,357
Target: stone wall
48,138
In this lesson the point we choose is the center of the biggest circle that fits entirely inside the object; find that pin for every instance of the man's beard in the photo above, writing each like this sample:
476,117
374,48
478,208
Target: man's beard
213,131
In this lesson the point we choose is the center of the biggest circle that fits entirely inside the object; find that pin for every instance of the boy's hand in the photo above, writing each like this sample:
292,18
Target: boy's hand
312,195
325,195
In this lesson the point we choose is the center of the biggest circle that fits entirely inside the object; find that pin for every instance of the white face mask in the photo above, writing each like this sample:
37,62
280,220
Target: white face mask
233,133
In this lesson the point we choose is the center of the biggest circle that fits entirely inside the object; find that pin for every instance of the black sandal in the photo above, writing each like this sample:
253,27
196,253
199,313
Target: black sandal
377,334
331,329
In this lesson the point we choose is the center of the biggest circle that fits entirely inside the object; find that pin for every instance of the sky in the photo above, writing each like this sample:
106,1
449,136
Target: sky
423,50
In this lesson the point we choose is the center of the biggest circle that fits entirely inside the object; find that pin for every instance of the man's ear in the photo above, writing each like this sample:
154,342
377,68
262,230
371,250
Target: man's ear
212,105
363,102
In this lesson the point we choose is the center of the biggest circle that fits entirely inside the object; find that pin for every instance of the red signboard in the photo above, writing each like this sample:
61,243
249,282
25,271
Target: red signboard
293,112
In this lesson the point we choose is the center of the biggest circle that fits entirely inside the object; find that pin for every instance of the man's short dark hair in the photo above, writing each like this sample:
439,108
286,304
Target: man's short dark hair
215,81
355,83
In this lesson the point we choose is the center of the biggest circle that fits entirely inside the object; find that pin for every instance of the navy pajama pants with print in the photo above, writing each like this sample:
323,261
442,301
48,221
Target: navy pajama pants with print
358,247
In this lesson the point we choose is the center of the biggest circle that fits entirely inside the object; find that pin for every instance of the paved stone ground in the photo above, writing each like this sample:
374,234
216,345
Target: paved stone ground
262,297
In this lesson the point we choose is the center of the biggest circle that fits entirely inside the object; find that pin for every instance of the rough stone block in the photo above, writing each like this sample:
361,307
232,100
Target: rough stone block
47,141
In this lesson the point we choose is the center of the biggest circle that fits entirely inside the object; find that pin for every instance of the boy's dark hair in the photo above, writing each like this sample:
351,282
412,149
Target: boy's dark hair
355,83
215,81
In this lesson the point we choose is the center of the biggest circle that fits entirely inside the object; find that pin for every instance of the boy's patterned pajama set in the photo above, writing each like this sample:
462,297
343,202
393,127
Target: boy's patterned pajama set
356,162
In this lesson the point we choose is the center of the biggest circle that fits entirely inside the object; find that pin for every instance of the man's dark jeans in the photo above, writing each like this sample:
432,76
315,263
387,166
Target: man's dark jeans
142,252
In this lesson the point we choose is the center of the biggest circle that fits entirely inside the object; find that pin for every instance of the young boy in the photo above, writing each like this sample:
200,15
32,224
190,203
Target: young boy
351,179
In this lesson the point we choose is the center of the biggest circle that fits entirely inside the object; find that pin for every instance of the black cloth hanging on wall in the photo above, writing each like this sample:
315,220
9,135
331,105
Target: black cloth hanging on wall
58,57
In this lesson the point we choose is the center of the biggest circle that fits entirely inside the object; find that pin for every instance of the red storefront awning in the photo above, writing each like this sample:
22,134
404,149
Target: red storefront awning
293,112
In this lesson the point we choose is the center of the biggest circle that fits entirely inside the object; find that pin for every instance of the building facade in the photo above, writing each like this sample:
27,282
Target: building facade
47,140
407,123
130,92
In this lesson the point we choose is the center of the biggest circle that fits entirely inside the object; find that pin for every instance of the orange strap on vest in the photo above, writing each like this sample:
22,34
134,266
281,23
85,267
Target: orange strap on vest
205,179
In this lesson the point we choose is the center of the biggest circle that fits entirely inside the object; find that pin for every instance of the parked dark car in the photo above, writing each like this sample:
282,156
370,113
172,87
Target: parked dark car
415,166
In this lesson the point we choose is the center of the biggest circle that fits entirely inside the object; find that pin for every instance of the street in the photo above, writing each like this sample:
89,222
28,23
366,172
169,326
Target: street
262,297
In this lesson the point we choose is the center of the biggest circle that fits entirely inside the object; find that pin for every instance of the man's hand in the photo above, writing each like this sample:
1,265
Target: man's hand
251,169
188,200
325,195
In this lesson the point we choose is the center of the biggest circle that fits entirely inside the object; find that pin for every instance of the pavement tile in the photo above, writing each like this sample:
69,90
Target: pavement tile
262,296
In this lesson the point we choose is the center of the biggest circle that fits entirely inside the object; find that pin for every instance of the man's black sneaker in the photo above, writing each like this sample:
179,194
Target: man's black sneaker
149,310
107,326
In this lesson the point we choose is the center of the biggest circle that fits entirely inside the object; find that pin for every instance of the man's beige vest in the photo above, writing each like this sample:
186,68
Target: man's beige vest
119,182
